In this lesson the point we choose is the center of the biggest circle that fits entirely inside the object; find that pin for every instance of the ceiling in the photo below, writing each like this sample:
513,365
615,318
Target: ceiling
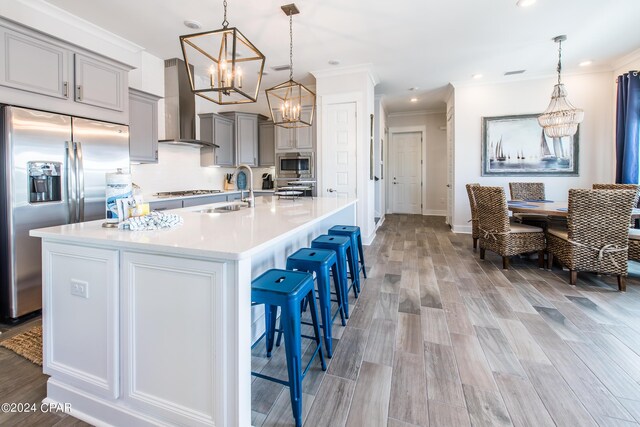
411,43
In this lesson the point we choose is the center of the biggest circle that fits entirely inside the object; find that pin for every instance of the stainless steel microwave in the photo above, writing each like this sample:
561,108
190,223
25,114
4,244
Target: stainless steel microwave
295,165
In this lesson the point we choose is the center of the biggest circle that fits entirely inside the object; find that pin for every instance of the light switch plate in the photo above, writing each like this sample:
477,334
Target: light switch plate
79,288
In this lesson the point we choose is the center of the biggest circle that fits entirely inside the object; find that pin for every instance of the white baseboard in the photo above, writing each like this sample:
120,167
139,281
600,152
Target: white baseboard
434,212
367,240
463,229
380,222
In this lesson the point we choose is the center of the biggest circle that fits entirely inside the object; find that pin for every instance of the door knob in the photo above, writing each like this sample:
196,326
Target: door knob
331,190
448,186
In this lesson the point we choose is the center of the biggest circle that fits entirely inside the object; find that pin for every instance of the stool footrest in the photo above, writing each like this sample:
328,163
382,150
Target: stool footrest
268,378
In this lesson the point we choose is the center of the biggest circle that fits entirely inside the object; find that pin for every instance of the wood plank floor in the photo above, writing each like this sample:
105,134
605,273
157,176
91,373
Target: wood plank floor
440,338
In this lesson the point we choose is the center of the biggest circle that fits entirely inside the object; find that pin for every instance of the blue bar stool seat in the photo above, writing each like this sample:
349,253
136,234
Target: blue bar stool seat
344,254
323,262
353,231
287,290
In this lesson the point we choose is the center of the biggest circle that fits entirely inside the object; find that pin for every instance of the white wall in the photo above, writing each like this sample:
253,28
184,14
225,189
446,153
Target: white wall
591,92
434,194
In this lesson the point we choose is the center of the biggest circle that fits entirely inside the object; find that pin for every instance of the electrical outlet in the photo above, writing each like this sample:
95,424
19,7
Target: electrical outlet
79,288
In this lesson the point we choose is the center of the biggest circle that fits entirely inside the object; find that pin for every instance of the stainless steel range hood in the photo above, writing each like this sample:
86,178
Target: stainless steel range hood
180,107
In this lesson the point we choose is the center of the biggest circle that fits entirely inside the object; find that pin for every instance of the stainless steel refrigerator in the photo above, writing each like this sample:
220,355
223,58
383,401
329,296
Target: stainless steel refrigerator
53,173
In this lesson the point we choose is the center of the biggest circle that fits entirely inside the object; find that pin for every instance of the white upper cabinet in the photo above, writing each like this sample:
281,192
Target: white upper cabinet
99,84
34,65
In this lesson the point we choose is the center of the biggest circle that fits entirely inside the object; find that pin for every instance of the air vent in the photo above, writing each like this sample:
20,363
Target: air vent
281,67
514,72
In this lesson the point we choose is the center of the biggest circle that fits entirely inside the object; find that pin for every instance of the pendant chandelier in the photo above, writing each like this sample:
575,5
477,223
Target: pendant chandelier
560,118
291,104
223,65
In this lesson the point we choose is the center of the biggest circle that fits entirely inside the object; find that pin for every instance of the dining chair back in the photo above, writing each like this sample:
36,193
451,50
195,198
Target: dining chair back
527,190
475,234
633,187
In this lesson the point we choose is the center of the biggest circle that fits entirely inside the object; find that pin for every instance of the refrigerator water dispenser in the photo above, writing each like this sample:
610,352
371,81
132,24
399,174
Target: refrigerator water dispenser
45,183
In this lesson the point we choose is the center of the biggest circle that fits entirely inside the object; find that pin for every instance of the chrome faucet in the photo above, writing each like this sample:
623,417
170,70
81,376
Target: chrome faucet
249,200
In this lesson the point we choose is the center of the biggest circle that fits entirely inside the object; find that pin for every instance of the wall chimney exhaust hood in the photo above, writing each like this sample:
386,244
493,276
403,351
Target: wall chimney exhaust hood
180,107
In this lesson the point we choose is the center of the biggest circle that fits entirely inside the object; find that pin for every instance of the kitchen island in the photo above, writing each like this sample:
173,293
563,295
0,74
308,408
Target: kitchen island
155,327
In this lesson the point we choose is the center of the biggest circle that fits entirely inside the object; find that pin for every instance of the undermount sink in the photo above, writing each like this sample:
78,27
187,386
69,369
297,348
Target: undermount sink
222,209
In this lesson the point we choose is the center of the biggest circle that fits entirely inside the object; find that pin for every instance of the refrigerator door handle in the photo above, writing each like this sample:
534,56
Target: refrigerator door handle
71,181
80,178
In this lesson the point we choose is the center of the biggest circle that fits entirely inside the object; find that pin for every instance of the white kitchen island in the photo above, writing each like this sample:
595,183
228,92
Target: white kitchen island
155,327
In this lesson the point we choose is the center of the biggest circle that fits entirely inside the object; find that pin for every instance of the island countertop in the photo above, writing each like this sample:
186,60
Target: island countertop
230,235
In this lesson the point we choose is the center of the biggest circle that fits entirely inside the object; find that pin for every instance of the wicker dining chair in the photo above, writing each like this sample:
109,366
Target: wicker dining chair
500,236
475,234
634,187
529,191
597,234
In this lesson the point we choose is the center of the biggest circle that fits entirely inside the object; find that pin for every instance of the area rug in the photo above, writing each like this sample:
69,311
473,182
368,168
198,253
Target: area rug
27,344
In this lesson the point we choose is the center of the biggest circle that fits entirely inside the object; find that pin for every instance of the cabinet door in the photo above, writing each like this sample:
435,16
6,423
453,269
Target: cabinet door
304,137
99,83
143,127
33,65
247,139
81,298
284,137
267,149
223,136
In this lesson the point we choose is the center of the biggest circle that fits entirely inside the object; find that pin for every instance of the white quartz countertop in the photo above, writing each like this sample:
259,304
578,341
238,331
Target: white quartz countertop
150,198
230,235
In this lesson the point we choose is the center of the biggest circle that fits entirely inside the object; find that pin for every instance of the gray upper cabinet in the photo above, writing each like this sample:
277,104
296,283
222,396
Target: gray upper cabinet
295,139
267,149
219,130
246,137
34,65
99,83
143,127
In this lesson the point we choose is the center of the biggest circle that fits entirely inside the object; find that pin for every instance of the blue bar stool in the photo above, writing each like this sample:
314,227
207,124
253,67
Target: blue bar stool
323,262
353,231
287,290
344,254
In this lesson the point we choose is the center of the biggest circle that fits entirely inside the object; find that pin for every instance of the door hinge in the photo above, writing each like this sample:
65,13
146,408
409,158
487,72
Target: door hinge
421,162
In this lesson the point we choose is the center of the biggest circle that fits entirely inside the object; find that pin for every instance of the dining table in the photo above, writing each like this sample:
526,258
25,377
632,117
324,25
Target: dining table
548,207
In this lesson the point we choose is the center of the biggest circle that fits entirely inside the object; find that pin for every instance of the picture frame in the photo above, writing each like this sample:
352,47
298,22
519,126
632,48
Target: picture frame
517,146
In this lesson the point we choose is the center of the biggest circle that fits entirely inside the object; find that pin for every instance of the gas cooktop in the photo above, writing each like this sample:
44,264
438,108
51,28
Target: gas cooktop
185,193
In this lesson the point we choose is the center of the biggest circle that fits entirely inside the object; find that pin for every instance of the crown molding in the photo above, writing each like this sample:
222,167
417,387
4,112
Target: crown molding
631,57
348,69
416,113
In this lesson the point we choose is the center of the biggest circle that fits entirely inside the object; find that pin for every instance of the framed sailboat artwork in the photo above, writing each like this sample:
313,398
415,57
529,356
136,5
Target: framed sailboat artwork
517,145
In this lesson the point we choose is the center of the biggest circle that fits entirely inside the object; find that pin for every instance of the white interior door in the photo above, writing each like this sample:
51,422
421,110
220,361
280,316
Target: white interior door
339,150
405,155
450,166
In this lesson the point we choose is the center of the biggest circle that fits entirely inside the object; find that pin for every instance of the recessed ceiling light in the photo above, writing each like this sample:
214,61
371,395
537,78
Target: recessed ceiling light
194,25
334,62
585,63
414,100
414,88
525,3
476,76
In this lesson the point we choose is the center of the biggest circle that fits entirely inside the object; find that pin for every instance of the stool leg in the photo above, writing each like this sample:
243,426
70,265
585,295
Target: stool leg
290,321
324,293
316,328
270,314
361,250
344,283
353,268
344,304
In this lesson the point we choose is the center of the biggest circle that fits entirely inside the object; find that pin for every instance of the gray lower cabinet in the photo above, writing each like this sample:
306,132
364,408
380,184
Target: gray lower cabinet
34,65
197,201
99,83
267,148
163,205
246,137
219,130
143,127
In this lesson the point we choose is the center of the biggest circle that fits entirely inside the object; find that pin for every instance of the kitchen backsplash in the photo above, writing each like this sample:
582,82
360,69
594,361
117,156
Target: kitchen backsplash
178,168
